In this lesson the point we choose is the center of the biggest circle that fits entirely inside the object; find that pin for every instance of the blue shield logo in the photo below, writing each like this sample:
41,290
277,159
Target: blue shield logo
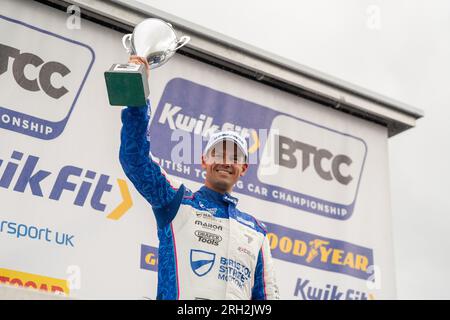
202,261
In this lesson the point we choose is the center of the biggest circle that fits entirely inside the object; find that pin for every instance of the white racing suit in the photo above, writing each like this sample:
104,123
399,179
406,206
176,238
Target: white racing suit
208,248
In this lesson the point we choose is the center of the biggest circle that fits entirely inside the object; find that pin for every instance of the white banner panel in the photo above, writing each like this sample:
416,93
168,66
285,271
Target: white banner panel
71,222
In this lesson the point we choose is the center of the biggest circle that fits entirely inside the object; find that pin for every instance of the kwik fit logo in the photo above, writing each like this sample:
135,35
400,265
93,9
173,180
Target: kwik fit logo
293,161
42,78
320,253
305,289
21,173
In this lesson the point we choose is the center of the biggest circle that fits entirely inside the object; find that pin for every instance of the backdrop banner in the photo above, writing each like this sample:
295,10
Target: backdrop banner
72,223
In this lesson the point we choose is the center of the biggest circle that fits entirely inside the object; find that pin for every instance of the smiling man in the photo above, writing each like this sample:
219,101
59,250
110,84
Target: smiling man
208,248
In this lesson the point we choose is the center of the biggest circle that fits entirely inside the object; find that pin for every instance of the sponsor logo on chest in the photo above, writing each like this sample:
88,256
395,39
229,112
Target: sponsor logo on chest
208,237
208,225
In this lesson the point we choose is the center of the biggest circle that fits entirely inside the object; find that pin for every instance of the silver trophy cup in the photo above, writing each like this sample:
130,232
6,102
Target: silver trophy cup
152,39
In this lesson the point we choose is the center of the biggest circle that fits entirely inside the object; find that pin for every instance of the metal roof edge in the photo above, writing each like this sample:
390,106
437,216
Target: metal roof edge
269,56
258,64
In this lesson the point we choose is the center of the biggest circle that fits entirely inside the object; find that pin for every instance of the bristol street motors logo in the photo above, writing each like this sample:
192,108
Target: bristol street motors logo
202,262
43,82
293,161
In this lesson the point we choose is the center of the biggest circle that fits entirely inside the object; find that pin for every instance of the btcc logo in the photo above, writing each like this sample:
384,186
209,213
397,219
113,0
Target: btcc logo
44,80
318,169
299,163
286,158
23,60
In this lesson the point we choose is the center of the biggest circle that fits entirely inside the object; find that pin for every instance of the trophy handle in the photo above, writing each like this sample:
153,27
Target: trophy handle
180,43
126,45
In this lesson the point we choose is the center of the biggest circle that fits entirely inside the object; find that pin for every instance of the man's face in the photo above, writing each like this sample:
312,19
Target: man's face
224,164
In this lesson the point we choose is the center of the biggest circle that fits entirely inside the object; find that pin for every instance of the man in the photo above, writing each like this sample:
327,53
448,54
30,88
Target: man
208,248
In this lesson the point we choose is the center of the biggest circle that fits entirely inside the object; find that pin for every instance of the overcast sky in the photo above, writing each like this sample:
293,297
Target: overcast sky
398,48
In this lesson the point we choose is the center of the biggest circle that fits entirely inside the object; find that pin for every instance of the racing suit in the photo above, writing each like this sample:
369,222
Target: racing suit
208,248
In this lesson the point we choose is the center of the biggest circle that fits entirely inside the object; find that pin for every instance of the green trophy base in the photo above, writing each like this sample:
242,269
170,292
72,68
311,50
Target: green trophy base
127,85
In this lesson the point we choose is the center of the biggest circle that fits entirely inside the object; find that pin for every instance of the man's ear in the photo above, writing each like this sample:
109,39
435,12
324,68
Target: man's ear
244,169
203,162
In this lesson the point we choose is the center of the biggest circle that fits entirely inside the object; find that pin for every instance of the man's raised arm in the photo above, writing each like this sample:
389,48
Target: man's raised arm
147,176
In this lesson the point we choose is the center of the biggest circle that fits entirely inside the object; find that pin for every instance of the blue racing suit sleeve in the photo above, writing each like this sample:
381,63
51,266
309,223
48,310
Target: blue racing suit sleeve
150,180
265,286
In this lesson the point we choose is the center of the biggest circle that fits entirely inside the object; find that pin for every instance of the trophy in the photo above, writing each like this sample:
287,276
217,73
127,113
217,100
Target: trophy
154,40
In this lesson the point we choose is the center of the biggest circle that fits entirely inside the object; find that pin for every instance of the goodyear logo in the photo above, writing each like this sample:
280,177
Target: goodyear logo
33,281
149,258
319,252
87,188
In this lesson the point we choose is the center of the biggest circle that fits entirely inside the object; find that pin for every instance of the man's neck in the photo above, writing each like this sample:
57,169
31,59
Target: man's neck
222,191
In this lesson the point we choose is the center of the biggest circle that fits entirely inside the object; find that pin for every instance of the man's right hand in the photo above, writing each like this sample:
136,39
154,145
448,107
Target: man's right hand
140,60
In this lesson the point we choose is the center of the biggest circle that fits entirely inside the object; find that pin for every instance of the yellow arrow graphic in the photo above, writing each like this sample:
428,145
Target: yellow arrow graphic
126,203
255,145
